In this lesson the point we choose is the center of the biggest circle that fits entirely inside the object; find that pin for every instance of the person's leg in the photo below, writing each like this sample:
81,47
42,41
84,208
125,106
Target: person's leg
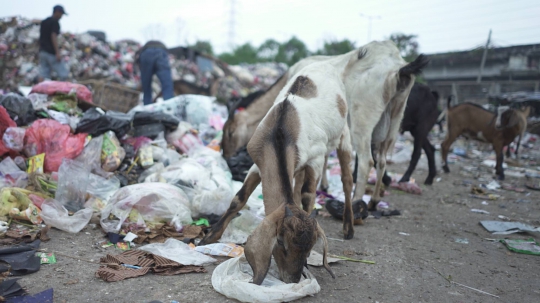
61,69
147,71
44,66
163,73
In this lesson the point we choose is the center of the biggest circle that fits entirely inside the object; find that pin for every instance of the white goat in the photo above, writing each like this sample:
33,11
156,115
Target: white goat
307,121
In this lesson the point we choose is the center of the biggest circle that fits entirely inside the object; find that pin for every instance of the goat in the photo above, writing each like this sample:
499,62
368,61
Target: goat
307,121
182,87
523,112
474,122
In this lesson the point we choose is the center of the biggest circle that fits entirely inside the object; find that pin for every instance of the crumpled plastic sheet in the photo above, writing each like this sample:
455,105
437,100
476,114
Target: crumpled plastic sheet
58,87
55,214
241,227
178,251
233,277
72,183
11,175
154,202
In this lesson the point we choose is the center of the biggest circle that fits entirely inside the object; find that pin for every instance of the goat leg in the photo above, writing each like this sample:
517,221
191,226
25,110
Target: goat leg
500,160
344,152
239,201
324,180
309,189
430,153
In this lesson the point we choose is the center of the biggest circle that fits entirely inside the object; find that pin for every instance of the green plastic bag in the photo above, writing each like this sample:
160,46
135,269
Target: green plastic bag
529,246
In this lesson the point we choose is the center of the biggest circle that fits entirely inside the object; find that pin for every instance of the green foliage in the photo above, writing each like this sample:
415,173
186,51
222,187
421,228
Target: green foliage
292,51
245,53
334,48
268,50
203,47
407,45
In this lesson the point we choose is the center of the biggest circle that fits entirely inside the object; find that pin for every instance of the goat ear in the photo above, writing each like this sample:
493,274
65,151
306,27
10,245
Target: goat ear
260,244
322,236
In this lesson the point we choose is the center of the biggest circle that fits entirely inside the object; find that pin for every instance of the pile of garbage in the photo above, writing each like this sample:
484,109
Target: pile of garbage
91,58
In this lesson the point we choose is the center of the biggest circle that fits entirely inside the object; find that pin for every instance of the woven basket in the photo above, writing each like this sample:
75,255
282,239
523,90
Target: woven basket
112,96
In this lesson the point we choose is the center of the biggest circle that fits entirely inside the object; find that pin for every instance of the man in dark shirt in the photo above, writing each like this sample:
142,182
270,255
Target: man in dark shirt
49,54
153,58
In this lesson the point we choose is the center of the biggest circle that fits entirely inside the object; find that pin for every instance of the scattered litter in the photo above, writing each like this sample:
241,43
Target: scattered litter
493,185
316,259
529,247
462,240
220,249
492,163
232,278
404,234
178,251
480,211
506,228
485,203
503,217
47,258
129,237
449,279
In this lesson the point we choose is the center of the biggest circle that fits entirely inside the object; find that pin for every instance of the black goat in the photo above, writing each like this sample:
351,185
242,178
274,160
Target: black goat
420,116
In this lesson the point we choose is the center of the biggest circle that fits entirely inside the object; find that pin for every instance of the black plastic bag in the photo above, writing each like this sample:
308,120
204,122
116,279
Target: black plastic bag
96,123
336,207
148,130
145,118
239,164
19,108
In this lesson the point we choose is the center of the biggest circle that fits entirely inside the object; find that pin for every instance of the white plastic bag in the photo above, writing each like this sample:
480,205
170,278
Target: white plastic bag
198,110
153,203
240,228
102,188
232,278
56,215
178,251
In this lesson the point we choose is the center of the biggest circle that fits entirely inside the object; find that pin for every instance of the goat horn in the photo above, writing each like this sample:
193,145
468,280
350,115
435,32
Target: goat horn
288,212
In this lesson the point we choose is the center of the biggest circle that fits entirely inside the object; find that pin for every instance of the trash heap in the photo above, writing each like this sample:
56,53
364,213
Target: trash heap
91,58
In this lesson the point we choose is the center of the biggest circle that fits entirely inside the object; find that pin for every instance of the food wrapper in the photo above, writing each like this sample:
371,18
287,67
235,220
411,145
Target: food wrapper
112,154
35,164
46,258
146,157
32,214
221,249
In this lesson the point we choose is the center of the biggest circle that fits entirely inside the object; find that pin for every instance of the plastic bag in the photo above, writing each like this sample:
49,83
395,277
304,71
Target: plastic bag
95,122
39,101
56,215
240,228
20,109
145,118
5,123
13,138
55,140
232,278
11,175
199,111
73,179
54,87
239,164
146,203
102,188
112,153
91,156
178,251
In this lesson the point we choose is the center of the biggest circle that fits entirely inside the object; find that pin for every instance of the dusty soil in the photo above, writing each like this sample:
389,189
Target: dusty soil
407,266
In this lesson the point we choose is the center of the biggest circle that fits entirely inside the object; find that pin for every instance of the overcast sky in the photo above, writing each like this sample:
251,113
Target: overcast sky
441,25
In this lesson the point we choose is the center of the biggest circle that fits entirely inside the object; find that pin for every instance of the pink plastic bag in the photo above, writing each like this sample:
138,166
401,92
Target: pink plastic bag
54,87
5,123
55,140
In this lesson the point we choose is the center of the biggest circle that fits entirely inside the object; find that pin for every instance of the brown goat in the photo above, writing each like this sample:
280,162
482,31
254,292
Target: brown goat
522,112
474,122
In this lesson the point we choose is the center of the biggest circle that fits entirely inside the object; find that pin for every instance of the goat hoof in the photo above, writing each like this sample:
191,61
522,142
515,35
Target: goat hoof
446,169
347,235
372,205
429,181
324,189
501,177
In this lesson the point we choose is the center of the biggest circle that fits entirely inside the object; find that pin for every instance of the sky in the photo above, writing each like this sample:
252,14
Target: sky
441,25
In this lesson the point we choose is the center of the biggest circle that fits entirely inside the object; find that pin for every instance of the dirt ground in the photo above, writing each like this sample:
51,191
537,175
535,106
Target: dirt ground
407,265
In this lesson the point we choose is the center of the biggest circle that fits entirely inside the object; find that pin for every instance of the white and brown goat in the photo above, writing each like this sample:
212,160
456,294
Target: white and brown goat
307,121
474,122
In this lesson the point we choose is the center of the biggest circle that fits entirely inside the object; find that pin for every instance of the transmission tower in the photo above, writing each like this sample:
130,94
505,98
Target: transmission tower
232,24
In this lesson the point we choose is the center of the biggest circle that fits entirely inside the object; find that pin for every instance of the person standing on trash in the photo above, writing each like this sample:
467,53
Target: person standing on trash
153,59
49,52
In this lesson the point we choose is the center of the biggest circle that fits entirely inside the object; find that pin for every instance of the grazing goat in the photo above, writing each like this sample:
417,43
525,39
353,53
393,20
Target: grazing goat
307,121
474,122
420,116
523,112
377,82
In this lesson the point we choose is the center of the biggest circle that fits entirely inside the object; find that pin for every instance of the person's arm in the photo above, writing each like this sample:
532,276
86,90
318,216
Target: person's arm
54,39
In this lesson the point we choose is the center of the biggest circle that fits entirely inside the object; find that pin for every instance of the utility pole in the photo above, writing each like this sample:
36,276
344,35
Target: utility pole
479,79
232,24
370,19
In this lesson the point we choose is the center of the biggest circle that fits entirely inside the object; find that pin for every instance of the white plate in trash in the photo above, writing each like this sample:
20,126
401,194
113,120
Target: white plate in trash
233,277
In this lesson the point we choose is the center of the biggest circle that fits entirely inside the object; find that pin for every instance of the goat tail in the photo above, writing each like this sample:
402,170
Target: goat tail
415,67
448,102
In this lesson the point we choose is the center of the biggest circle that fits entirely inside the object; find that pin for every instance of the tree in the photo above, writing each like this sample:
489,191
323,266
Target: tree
268,50
407,45
292,51
203,47
334,48
245,53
